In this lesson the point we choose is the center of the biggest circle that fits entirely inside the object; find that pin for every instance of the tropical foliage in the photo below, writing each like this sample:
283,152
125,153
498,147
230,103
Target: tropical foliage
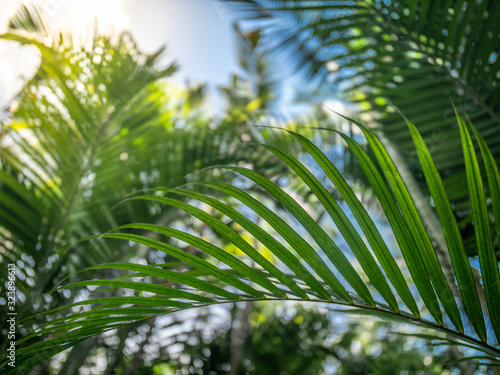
96,123
242,228
412,56
200,282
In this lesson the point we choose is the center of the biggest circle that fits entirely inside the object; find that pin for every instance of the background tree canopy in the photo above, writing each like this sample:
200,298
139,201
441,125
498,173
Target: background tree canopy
150,236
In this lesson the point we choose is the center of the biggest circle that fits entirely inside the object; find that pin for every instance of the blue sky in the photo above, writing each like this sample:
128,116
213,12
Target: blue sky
197,34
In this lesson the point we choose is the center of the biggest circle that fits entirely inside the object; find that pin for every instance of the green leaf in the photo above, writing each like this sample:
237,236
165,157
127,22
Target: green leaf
177,277
353,239
302,247
192,260
267,240
144,287
452,236
401,230
487,258
419,233
230,235
493,177
364,220
319,235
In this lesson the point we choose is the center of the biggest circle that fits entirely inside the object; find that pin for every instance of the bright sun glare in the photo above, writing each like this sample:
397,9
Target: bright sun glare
196,33
111,16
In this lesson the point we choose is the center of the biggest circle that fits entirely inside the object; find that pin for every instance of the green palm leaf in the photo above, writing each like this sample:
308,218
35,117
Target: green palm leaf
317,269
412,55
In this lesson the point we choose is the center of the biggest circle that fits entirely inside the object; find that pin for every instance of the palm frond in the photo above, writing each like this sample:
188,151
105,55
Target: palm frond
315,269
409,55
